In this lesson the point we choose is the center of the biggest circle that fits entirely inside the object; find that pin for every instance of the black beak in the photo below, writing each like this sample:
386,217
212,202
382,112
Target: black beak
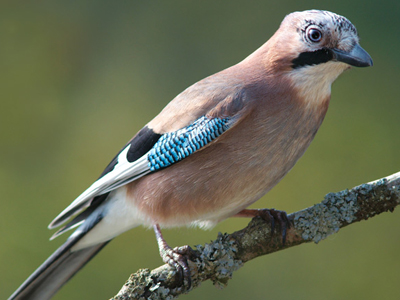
357,57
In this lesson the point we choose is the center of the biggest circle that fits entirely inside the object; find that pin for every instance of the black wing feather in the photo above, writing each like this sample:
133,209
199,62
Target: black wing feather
141,143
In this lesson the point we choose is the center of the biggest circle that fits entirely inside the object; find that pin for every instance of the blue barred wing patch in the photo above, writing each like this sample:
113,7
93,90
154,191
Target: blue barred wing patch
175,146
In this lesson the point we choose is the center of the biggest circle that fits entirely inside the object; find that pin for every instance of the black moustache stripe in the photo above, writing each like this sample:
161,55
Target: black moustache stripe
312,58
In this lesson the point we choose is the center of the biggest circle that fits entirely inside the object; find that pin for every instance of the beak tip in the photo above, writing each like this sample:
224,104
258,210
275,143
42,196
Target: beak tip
357,57
369,63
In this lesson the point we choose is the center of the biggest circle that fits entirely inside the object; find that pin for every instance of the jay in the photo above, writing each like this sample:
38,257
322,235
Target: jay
215,149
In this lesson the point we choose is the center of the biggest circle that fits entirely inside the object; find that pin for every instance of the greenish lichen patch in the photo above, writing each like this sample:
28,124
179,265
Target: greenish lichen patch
345,207
327,217
218,259
141,286
376,198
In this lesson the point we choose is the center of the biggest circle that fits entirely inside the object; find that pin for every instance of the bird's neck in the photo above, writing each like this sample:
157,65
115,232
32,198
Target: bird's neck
313,83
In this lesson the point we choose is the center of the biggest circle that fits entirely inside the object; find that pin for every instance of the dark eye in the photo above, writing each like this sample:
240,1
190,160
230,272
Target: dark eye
314,35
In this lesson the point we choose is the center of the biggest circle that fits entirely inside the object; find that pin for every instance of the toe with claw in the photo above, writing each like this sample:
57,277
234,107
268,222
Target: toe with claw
176,258
271,216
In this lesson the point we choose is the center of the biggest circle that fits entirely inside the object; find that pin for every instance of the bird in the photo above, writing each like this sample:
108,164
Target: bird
216,148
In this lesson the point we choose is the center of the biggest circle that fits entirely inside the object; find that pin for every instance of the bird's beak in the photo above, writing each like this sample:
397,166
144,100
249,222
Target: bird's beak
357,57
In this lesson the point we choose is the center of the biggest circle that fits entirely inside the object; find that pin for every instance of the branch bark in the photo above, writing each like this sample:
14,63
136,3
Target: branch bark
218,260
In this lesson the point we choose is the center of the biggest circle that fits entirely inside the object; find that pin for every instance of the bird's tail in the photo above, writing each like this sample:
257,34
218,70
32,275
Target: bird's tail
56,271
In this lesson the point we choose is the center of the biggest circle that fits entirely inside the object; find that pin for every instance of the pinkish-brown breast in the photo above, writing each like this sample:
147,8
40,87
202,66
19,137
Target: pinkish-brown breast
239,167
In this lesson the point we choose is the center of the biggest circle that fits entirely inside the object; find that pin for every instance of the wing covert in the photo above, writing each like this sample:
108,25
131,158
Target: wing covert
175,146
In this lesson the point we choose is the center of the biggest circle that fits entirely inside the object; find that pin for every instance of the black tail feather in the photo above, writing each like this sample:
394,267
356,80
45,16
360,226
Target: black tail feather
55,271
60,266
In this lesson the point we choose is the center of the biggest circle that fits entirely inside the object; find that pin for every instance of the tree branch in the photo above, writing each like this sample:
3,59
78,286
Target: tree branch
218,260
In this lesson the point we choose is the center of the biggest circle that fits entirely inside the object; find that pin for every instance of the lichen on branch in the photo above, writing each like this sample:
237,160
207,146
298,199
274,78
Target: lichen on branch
218,260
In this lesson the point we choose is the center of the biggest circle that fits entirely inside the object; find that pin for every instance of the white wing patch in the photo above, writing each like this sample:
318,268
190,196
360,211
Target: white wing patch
123,172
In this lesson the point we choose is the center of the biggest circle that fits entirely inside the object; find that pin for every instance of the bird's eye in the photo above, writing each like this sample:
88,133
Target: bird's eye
314,35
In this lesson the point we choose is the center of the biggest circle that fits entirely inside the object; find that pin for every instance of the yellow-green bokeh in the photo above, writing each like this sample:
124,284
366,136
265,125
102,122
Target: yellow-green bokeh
79,78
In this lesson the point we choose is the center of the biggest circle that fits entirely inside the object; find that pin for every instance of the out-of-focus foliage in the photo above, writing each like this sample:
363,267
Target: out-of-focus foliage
79,78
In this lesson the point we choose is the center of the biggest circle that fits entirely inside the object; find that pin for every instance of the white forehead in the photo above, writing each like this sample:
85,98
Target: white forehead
341,29
330,19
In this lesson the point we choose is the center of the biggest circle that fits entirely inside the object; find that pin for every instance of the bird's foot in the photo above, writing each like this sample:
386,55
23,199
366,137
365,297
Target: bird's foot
270,216
176,258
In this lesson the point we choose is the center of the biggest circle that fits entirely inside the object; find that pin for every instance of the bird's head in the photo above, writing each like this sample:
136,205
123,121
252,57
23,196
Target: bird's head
313,48
315,37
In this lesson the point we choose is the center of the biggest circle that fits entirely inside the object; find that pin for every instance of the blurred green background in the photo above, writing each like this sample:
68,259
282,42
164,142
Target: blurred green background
79,78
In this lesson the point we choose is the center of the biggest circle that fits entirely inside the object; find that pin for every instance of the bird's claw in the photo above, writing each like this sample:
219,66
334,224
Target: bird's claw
272,216
178,259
